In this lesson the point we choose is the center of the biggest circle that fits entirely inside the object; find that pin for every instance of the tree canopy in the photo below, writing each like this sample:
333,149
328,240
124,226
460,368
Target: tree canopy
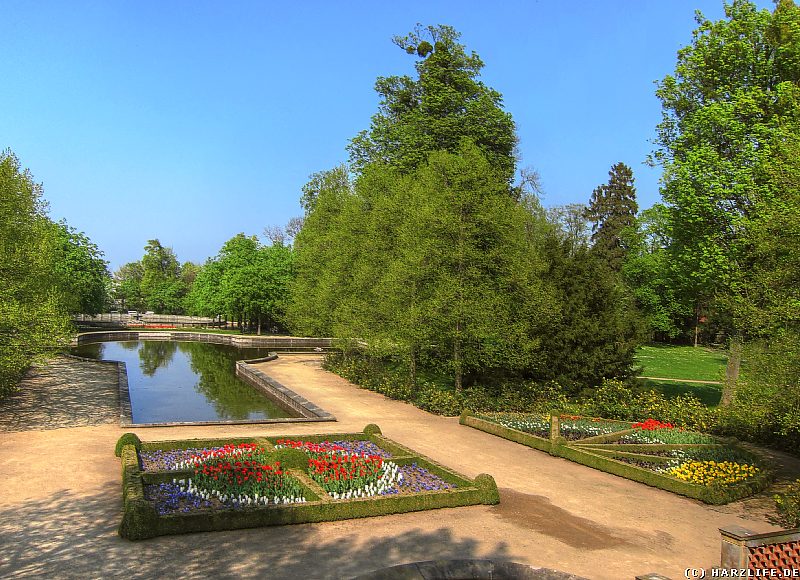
434,111
33,317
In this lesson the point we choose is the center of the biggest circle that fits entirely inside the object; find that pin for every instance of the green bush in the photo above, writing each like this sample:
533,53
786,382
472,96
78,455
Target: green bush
613,399
435,400
788,504
685,410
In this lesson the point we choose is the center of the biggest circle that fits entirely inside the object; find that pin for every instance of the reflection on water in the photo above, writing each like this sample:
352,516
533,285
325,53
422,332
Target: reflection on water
186,381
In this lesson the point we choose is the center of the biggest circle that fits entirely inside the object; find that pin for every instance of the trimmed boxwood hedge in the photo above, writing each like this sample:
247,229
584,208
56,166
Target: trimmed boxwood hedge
141,520
593,453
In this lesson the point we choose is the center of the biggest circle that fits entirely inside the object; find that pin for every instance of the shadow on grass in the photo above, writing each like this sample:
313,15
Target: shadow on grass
71,536
709,395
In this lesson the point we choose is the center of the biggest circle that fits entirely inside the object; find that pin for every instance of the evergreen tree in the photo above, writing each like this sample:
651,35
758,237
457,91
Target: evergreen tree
612,210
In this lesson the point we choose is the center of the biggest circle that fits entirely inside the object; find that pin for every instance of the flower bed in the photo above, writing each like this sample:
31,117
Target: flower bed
184,486
572,428
658,454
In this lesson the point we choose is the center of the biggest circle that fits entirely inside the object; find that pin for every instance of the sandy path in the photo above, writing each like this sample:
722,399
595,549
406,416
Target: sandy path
61,504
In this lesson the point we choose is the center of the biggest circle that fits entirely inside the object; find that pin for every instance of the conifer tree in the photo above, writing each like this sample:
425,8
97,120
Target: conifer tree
611,211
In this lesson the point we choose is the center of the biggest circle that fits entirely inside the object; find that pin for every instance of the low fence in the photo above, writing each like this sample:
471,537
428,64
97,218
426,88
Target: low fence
125,319
743,549
291,343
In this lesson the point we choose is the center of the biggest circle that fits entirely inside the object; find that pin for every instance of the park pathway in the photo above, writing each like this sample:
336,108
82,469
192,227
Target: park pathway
60,501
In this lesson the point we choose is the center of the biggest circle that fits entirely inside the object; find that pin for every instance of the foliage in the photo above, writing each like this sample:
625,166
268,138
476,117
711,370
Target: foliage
730,111
596,330
437,110
33,320
788,505
82,273
615,400
162,287
612,212
460,295
157,282
766,408
647,271
127,286
245,281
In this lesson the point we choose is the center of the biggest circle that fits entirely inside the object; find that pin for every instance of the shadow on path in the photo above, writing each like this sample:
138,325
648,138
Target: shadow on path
63,393
75,536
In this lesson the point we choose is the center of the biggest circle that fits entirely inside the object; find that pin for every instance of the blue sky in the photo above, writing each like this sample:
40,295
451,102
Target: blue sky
193,121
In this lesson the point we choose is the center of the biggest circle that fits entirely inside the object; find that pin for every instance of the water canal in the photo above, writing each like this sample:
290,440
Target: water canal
171,381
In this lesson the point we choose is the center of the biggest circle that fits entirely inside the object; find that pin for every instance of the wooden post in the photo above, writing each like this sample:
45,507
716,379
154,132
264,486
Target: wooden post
555,428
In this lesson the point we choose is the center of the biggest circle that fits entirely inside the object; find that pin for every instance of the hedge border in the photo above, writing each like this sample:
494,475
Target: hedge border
141,520
590,455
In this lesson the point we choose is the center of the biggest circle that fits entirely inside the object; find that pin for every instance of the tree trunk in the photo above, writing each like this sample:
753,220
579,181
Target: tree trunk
412,368
457,357
259,325
732,371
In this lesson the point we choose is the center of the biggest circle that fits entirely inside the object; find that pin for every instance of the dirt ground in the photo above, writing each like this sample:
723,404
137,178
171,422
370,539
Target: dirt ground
61,500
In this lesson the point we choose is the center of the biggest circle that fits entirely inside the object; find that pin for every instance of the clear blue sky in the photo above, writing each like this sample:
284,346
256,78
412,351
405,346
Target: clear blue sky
192,121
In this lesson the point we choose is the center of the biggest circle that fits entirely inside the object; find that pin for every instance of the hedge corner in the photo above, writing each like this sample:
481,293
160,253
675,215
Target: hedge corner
127,439
488,488
372,429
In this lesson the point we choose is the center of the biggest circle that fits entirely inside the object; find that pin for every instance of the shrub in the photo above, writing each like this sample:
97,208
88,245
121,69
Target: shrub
435,400
611,400
788,504
686,410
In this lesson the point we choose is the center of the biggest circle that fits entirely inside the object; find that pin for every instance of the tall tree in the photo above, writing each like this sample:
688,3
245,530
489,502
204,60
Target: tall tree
246,281
647,272
729,104
323,253
81,270
612,210
161,286
127,286
595,331
33,319
436,110
480,291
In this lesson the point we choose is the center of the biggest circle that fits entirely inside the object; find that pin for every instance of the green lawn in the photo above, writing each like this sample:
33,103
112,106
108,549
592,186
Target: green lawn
709,395
682,362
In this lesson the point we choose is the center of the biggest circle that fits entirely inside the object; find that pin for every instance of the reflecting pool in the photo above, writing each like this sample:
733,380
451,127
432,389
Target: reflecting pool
173,381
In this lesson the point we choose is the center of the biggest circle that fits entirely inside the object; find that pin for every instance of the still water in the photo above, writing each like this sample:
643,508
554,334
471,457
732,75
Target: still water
186,381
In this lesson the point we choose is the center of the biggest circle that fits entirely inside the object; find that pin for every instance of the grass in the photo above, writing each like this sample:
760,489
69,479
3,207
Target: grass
682,362
709,395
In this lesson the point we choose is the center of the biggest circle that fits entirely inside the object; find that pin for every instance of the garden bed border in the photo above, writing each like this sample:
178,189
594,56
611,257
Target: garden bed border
588,455
141,520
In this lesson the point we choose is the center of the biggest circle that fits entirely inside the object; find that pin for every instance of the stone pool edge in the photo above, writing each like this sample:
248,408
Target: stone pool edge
257,379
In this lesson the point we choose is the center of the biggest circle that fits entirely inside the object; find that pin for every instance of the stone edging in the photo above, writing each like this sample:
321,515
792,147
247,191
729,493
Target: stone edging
286,396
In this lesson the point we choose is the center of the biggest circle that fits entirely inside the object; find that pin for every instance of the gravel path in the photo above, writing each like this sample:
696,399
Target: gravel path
60,500
66,392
